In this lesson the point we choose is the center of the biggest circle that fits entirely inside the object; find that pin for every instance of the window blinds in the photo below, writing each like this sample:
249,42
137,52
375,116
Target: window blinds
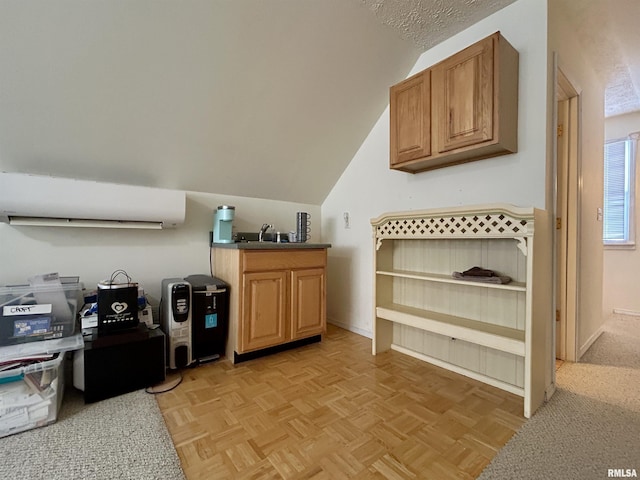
617,156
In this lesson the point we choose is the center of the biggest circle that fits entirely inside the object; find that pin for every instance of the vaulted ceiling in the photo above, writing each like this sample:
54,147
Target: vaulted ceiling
608,32
267,99
610,35
260,98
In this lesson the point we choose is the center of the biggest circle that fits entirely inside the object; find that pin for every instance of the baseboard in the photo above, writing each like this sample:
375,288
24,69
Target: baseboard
243,357
623,311
351,328
589,342
548,393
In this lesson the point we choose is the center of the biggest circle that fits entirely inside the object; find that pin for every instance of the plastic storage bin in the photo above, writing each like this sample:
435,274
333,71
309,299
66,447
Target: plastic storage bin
30,396
39,312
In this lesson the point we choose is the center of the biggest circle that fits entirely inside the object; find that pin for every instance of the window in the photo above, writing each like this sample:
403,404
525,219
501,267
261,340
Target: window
619,198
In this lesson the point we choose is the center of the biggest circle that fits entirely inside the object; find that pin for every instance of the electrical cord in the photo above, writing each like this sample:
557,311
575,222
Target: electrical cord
210,260
165,386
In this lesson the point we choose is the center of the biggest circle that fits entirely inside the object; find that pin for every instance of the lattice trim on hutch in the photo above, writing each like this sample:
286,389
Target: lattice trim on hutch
473,223
492,224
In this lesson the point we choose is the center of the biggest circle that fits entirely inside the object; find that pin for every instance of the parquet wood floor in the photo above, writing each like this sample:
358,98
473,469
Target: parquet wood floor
332,410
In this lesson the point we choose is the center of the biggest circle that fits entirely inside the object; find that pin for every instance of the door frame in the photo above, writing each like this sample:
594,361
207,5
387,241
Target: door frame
568,193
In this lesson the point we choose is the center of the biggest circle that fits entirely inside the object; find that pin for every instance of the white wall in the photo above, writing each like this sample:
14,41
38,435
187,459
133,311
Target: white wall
572,61
368,187
148,256
621,266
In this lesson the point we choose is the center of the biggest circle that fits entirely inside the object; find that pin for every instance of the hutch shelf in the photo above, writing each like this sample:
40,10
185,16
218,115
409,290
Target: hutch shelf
493,332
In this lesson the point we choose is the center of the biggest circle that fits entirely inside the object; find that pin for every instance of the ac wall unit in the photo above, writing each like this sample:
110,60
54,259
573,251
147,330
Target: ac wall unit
38,200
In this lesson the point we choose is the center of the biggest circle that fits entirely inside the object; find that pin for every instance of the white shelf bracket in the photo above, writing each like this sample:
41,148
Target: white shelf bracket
522,245
378,243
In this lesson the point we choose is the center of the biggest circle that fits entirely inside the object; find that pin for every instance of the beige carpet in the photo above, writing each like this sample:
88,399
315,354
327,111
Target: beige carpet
591,424
119,438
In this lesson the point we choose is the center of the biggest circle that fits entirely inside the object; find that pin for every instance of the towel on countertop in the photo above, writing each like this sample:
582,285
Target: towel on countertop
478,274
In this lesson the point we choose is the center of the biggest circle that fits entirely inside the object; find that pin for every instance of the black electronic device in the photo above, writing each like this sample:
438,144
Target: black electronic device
175,320
180,302
209,317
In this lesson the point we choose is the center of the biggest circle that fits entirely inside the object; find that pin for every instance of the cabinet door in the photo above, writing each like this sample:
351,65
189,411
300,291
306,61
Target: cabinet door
463,97
308,316
264,312
410,118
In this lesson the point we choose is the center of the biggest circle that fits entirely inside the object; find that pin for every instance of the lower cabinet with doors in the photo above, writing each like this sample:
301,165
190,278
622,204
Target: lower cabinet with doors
277,296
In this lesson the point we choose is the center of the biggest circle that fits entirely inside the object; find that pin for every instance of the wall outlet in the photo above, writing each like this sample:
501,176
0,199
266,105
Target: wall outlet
347,220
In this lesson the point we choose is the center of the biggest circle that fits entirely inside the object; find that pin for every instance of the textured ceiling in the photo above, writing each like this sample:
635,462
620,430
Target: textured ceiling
608,31
610,35
429,22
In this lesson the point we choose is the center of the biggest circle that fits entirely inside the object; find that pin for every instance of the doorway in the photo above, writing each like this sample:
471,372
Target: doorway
567,218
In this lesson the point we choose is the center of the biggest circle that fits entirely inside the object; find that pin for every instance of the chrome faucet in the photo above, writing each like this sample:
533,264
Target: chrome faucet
263,230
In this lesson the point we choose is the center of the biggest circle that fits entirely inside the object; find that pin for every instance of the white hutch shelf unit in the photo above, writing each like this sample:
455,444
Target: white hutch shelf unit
495,333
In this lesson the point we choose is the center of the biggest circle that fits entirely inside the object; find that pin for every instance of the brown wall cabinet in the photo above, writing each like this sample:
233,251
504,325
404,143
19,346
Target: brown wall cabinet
276,296
410,109
462,109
